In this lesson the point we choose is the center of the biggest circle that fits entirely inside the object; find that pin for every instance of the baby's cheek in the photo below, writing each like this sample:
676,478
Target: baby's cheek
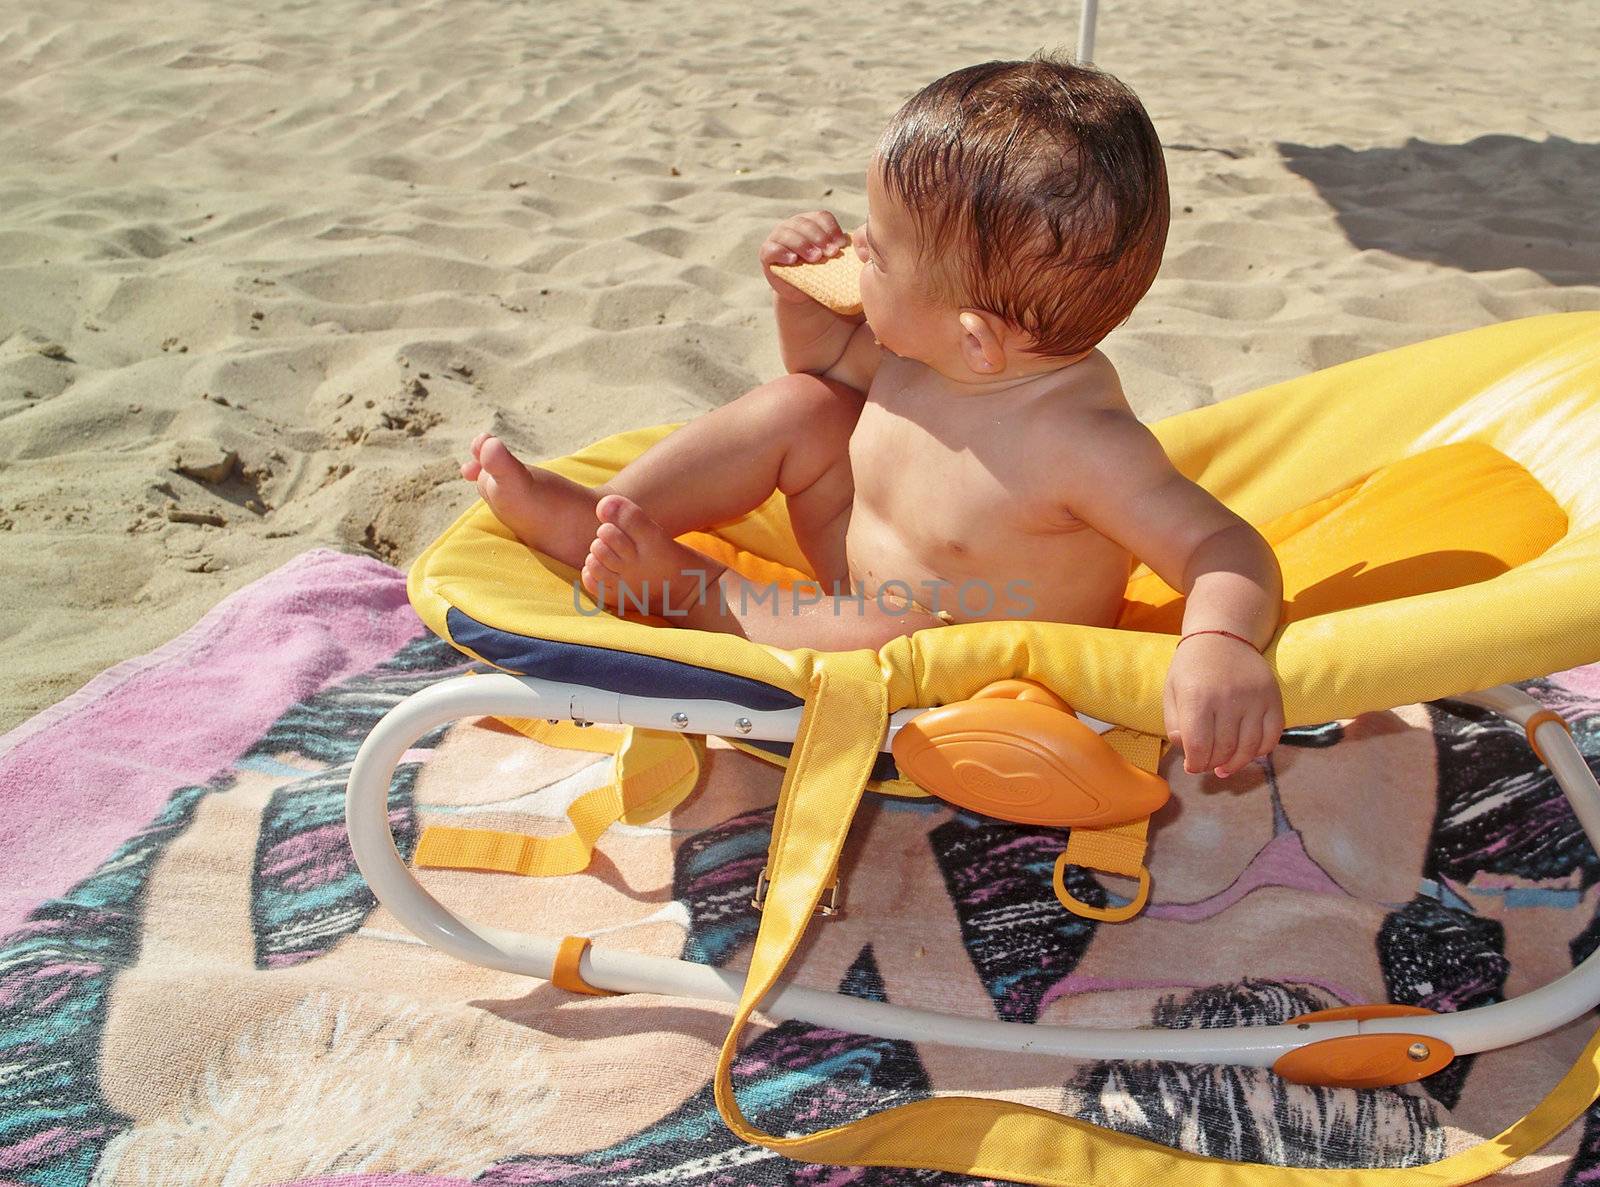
869,296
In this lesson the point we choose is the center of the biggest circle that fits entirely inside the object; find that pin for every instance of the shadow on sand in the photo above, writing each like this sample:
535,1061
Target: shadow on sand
1491,203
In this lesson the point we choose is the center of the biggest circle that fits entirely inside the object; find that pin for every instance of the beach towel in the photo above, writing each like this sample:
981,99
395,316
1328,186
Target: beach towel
196,985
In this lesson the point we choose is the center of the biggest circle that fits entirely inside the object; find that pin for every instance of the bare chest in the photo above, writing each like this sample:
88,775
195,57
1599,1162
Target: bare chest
953,481
953,493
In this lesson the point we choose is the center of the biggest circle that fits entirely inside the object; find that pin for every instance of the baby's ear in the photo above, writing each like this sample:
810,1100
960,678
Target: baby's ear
983,341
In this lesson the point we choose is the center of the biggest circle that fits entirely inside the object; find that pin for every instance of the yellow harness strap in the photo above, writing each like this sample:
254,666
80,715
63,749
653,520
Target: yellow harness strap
840,731
1118,850
654,771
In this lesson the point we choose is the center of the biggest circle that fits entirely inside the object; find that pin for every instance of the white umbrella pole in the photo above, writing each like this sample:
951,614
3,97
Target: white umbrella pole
1086,32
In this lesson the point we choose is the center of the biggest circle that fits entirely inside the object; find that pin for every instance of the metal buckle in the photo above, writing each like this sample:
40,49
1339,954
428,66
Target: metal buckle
829,904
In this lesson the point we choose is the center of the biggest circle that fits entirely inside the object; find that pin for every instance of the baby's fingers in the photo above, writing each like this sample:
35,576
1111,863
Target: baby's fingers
1249,745
1271,728
821,234
784,246
1224,738
831,225
824,229
1169,715
1198,731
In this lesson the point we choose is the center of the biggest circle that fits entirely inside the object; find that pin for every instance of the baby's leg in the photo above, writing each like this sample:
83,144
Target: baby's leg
791,435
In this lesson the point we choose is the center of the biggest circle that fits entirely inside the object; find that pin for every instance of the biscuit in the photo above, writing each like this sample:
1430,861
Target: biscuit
834,282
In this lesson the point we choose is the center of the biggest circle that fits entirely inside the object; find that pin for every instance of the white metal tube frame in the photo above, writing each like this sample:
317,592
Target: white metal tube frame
500,694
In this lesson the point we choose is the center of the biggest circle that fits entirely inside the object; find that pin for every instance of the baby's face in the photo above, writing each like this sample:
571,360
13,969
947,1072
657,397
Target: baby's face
894,294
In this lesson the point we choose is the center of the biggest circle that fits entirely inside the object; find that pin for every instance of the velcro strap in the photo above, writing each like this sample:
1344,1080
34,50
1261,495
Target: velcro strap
1532,727
566,976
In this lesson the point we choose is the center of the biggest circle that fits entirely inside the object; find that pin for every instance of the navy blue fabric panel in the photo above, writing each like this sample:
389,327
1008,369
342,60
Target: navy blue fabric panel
884,768
610,669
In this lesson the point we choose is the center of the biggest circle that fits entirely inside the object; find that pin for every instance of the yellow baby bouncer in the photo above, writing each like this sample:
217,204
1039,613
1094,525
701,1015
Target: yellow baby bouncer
1436,514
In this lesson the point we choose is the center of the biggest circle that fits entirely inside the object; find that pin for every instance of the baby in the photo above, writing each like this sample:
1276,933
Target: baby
959,450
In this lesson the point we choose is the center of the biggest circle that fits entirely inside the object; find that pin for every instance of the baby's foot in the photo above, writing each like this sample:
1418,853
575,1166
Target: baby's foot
633,562
547,512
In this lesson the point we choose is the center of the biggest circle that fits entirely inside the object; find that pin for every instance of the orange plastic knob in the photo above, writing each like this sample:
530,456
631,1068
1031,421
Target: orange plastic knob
1365,1061
1023,761
1021,690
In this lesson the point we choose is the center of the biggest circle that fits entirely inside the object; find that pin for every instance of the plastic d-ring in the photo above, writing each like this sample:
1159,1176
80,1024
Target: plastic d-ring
1101,914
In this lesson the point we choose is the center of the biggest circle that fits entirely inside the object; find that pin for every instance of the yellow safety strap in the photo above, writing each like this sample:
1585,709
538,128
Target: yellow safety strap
840,731
653,773
1118,850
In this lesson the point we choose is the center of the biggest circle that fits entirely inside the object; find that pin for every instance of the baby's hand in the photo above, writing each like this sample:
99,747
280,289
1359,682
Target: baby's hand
1222,704
811,238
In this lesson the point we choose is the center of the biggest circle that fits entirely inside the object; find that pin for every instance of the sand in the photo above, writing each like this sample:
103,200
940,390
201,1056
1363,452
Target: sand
264,274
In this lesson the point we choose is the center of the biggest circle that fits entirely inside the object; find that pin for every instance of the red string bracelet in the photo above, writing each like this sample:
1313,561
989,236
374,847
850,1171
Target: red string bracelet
1230,634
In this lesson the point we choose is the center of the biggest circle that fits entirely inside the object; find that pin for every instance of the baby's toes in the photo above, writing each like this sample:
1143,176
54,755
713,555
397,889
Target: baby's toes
594,577
477,444
600,551
626,515
617,541
497,459
644,535
609,509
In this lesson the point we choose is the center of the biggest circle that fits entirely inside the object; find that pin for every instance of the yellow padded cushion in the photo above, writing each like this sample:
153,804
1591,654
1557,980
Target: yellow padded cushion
1448,517
1296,452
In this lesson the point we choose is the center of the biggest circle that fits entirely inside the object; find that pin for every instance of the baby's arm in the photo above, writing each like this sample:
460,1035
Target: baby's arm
811,337
1222,703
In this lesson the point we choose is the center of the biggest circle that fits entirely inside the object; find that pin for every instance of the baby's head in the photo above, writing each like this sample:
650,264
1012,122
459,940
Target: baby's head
1024,201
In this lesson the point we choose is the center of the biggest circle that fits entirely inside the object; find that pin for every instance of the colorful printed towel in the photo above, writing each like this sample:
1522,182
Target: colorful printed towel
196,985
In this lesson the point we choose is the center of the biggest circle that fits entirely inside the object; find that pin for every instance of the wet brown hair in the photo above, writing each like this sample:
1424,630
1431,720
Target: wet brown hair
1038,192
